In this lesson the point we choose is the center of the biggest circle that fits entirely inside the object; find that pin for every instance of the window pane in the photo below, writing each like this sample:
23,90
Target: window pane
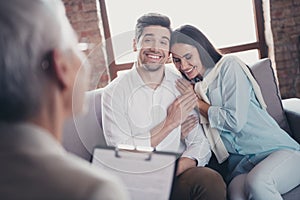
249,57
225,23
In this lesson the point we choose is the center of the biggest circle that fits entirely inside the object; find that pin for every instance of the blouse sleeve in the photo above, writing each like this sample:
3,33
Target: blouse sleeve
235,91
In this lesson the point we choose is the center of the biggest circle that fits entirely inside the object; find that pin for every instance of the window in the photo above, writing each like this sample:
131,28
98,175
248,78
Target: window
233,26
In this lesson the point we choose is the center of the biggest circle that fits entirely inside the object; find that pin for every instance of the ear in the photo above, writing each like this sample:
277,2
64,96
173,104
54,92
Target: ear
60,68
134,45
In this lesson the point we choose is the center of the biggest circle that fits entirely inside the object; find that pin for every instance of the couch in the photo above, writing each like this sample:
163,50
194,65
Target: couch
82,133
285,112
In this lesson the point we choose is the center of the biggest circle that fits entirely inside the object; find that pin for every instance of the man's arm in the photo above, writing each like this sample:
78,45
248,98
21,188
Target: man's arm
197,146
197,151
184,164
177,113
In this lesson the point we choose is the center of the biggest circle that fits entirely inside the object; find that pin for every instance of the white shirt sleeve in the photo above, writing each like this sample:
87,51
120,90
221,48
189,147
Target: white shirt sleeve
197,146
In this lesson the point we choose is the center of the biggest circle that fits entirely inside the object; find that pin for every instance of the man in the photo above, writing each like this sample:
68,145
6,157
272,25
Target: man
142,107
39,63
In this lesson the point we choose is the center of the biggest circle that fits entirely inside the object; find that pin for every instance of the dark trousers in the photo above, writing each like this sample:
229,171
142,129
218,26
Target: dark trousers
199,183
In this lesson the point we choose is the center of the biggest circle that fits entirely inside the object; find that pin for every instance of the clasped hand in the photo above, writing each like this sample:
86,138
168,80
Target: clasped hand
191,121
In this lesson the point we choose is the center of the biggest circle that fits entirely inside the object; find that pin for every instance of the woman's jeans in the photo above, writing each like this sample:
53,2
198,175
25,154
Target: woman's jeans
277,174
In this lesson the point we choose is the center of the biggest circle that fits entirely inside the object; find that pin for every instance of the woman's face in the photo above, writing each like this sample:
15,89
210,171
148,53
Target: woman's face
186,59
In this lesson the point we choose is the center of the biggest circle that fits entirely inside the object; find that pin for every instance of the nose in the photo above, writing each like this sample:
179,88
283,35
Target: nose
155,46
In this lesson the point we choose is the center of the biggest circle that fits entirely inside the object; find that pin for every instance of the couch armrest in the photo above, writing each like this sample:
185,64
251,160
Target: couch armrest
292,110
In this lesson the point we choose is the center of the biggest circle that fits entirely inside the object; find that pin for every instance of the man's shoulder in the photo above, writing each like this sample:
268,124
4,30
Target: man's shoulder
171,72
123,78
83,168
56,175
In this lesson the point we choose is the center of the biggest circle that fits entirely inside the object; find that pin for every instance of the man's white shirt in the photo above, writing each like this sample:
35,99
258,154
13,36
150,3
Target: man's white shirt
130,109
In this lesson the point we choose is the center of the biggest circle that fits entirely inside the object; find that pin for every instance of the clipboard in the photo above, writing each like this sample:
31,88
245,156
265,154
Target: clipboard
147,174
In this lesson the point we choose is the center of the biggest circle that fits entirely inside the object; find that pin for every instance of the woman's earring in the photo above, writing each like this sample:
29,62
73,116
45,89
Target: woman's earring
45,65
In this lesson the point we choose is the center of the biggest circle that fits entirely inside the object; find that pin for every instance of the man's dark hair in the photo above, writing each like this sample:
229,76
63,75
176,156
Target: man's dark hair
151,19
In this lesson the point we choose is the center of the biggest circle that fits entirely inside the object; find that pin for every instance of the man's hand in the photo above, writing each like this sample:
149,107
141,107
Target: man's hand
179,110
177,113
184,164
188,125
184,86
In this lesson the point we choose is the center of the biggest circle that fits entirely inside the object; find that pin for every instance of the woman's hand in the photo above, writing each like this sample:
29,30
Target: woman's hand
184,86
188,125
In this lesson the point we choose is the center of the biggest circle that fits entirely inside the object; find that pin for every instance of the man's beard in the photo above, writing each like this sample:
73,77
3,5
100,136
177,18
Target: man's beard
152,67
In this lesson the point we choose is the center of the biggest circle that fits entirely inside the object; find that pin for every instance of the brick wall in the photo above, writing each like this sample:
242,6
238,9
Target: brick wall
285,25
83,15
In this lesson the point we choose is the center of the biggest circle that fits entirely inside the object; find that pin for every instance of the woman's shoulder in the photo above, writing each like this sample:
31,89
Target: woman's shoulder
230,59
231,63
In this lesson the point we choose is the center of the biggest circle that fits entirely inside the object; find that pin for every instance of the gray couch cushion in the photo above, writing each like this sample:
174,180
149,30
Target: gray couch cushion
264,75
82,133
294,194
292,110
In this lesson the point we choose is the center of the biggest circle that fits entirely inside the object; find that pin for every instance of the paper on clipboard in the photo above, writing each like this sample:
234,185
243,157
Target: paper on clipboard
147,175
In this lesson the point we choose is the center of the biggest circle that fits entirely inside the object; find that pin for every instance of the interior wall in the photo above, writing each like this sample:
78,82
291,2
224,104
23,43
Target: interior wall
285,27
84,17
283,40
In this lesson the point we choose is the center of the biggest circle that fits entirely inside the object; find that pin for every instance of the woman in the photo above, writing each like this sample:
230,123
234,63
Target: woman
263,158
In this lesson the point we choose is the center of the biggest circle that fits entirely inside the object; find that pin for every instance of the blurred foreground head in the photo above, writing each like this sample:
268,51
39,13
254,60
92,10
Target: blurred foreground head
40,65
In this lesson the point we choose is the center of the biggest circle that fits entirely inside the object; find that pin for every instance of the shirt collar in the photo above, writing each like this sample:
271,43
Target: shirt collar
207,71
167,76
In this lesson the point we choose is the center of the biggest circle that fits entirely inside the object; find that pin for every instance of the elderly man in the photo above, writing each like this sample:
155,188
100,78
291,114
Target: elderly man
39,65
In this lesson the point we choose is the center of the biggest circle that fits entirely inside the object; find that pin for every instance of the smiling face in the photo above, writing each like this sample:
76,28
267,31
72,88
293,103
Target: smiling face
153,47
187,61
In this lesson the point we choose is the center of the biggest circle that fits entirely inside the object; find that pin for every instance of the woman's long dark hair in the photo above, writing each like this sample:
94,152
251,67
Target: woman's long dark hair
188,34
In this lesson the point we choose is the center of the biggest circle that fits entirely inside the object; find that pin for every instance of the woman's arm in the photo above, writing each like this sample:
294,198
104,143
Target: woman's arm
230,114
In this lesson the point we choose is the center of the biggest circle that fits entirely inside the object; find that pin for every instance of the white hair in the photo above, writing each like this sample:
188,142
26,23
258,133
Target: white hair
30,30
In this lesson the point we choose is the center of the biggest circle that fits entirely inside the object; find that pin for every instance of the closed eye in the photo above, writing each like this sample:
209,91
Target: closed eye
164,42
187,56
176,60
